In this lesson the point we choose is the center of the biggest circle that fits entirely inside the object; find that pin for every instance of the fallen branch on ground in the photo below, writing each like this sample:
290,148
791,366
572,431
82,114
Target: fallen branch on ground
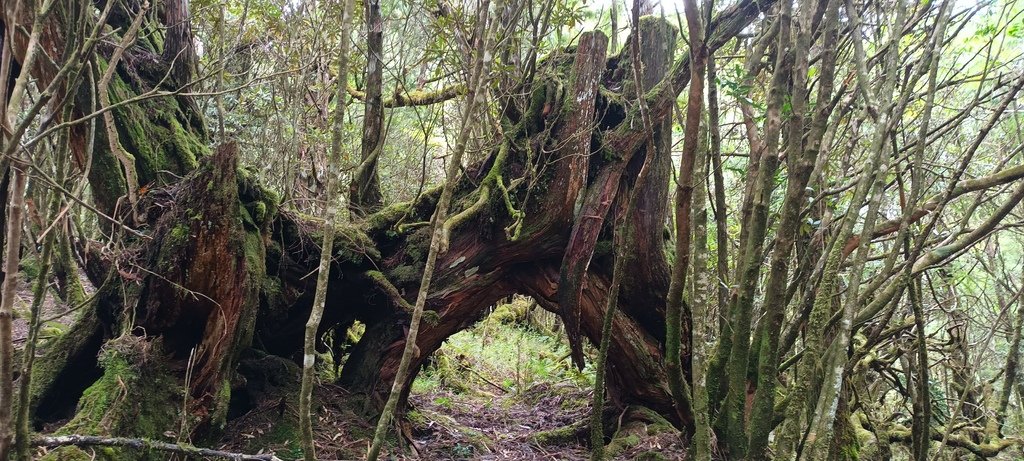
91,440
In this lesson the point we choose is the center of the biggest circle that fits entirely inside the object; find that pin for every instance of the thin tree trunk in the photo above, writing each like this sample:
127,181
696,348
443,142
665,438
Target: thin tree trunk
748,266
921,423
613,45
1012,368
703,321
479,77
5,189
721,218
15,211
921,405
23,432
364,192
802,150
730,314
327,247
683,209
222,59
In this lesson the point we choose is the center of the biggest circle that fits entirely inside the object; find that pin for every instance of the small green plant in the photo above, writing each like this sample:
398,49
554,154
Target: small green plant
461,451
445,402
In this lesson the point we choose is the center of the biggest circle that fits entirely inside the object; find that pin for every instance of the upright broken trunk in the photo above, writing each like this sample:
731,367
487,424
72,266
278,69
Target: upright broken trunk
176,308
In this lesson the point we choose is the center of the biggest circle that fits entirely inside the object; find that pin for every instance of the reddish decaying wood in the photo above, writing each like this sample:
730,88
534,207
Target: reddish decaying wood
198,302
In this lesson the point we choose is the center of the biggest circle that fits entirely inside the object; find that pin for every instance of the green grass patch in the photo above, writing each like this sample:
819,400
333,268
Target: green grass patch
515,348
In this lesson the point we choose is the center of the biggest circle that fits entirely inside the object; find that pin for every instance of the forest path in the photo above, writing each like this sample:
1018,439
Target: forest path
500,425
501,390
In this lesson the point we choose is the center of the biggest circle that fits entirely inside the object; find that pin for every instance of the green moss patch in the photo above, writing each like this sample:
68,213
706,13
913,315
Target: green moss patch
135,397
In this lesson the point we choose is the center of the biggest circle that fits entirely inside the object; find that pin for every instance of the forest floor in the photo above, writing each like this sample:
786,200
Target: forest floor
57,315
503,390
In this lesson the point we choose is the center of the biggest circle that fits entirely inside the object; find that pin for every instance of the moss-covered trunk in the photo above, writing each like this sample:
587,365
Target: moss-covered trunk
175,309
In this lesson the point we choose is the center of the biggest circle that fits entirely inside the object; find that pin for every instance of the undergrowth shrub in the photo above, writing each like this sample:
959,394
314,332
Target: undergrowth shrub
516,348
